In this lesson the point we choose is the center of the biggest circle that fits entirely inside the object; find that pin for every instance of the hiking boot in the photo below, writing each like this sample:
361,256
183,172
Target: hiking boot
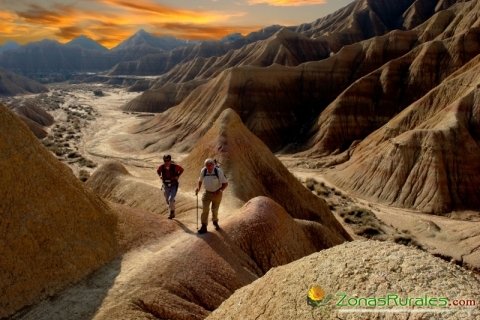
203,229
215,223
172,214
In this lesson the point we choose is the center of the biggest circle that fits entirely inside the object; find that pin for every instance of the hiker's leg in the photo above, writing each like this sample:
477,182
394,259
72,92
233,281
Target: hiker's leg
172,195
216,199
166,191
206,200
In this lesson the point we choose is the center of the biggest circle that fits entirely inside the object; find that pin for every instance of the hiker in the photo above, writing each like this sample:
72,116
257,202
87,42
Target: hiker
215,183
169,172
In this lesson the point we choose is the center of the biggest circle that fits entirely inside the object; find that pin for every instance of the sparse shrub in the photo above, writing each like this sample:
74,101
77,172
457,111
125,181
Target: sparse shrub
73,154
310,183
83,175
47,142
87,163
403,240
368,232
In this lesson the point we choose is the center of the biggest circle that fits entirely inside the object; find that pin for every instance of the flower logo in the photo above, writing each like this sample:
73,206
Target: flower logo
316,296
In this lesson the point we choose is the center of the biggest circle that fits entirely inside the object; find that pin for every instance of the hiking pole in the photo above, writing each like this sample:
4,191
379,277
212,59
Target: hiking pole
197,210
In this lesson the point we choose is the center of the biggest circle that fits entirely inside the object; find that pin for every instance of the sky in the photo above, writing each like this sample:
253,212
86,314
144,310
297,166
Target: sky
112,21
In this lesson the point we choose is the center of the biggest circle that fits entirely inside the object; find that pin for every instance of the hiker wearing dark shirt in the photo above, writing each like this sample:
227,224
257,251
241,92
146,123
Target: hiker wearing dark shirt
169,172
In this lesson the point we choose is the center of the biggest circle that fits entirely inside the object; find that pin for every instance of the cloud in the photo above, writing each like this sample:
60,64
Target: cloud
287,3
203,32
153,12
36,14
112,21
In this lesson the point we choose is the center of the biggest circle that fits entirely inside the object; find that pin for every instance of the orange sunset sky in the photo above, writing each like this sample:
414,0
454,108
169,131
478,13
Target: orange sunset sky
112,21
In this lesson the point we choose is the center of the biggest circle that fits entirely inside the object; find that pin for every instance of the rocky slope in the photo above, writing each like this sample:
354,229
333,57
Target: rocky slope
355,270
54,232
13,84
374,99
274,102
426,156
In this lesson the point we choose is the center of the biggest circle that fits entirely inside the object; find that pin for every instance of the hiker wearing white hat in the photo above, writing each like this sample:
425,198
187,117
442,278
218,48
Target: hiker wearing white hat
215,182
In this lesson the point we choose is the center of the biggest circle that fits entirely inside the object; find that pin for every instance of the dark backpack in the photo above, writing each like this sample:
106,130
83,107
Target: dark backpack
172,171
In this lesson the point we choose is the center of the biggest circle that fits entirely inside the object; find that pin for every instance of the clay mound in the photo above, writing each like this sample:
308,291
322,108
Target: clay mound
191,276
427,157
12,84
374,99
359,269
162,98
54,232
38,130
35,113
261,216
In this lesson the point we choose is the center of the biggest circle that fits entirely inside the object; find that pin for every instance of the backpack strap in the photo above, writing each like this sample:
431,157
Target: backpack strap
215,170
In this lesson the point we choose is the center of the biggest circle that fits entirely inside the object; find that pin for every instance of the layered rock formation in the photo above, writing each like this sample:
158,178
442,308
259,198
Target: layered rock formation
284,47
374,99
54,232
274,102
356,270
427,157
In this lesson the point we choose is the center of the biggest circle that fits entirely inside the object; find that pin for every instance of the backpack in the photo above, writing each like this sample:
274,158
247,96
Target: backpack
172,170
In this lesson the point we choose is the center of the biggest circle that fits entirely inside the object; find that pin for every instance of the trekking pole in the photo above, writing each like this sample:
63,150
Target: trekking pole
197,210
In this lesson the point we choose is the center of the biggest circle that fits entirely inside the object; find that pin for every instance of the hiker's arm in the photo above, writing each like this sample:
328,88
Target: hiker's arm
199,186
180,171
159,171
223,187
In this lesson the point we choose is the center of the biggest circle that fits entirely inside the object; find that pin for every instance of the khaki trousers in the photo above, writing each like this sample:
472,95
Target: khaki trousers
214,199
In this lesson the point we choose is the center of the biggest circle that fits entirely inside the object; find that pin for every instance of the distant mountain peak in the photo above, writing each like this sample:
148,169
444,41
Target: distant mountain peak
85,42
144,38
